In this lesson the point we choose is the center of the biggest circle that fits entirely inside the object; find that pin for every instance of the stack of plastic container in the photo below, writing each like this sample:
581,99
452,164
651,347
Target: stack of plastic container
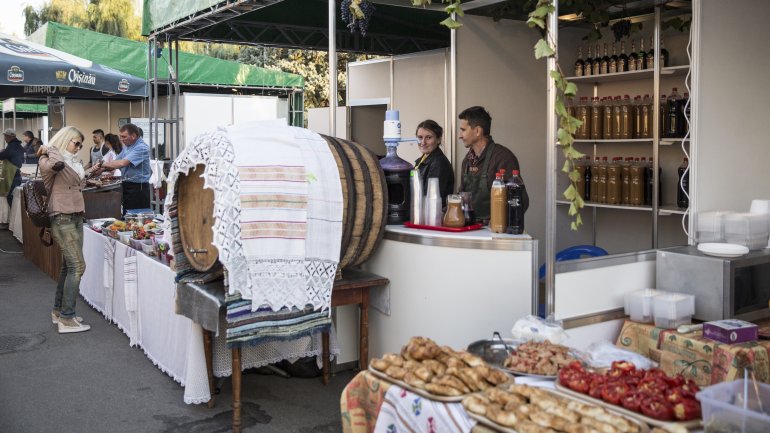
639,305
710,226
673,309
666,309
748,229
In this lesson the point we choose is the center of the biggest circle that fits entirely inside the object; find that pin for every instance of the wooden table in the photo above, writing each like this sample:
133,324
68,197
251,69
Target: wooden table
351,289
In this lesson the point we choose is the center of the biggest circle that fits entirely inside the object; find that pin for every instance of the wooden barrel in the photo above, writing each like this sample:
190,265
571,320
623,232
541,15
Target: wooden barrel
364,208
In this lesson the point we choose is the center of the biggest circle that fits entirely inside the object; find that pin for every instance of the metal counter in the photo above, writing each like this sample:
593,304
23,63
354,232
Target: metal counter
482,239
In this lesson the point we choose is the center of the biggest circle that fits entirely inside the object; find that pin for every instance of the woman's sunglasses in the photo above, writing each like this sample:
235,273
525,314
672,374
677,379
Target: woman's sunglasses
78,144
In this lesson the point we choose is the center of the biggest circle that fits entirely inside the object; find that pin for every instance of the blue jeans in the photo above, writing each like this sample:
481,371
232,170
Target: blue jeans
67,231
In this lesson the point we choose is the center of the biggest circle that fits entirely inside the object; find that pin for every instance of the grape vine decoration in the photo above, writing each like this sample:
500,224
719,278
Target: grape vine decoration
621,29
357,14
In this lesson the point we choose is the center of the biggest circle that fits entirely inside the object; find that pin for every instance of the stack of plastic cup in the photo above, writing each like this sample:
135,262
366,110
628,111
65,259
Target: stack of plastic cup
432,204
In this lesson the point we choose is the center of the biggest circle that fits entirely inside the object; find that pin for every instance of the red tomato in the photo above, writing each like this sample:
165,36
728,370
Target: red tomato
595,388
652,386
657,407
675,395
632,381
623,366
632,401
580,385
687,409
675,381
654,373
690,386
613,392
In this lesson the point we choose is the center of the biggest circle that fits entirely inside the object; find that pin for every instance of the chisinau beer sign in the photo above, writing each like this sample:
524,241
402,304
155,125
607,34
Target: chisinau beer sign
15,74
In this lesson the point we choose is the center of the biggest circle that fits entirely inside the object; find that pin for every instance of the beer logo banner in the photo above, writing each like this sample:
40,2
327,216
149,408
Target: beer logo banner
15,74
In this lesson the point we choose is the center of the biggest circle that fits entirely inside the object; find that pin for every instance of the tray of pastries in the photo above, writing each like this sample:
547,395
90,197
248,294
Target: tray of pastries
538,359
516,408
437,372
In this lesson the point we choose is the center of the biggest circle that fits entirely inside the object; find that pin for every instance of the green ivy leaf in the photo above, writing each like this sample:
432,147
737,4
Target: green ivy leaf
542,49
573,225
542,11
578,218
533,22
571,153
557,78
571,89
451,24
570,193
572,208
560,109
580,203
574,176
565,138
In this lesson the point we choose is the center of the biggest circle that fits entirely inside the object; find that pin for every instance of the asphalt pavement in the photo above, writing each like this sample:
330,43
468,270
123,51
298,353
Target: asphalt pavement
95,382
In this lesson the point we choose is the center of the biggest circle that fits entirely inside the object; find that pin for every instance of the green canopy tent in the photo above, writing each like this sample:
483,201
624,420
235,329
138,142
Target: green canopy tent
196,71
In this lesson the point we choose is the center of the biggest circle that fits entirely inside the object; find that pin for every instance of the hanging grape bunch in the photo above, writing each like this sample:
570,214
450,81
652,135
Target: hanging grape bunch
357,13
621,29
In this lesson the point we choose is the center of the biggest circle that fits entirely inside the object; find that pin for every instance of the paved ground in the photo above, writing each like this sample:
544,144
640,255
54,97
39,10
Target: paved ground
95,382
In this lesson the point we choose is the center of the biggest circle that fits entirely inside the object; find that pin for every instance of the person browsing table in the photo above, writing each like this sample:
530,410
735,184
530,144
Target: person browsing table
433,162
134,163
483,160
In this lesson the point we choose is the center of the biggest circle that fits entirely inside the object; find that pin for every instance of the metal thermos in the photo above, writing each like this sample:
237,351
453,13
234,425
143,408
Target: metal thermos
416,209
434,211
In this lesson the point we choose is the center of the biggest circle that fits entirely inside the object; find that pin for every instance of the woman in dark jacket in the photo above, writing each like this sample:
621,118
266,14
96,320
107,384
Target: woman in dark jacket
433,162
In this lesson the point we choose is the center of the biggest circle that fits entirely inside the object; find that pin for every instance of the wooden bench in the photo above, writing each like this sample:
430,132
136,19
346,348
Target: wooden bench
351,289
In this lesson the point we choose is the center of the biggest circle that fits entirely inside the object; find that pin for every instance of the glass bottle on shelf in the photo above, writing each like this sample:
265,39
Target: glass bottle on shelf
636,190
641,56
617,117
632,57
646,109
625,181
607,118
651,54
683,186
579,63
604,65
587,179
601,197
584,115
648,182
664,120
595,180
622,58
613,68
596,118
597,62
580,166
675,115
626,118
663,54
613,182
588,64
637,130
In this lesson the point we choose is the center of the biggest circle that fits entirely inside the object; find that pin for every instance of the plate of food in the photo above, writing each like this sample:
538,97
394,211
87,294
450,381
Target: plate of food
649,395
538,359
437,372
516,408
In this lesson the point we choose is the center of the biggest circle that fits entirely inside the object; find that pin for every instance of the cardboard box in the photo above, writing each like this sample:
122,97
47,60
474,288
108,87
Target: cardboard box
731,331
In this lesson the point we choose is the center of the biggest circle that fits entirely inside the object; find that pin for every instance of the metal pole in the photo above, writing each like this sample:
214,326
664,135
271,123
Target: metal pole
550,169
175,148
453,101
656,131
332,68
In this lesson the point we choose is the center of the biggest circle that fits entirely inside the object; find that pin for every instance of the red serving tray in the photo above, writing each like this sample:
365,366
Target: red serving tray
444,229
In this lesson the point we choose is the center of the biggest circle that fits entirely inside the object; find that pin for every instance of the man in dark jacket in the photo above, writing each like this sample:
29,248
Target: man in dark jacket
14,154
483,160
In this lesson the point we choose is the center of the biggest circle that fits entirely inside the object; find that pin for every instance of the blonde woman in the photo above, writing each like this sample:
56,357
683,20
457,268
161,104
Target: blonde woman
64,178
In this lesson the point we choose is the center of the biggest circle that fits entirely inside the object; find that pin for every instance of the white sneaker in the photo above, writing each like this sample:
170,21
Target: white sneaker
55,318
67,326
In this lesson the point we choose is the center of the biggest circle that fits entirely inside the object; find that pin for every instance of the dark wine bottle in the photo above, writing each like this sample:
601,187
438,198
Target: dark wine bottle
613,61
622,58
588,64
641,56
632,58
604,67
597,62
579,63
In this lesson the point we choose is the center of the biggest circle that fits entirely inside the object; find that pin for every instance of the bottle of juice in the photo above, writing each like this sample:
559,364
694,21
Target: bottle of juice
613,182
602,184
498,205
636,193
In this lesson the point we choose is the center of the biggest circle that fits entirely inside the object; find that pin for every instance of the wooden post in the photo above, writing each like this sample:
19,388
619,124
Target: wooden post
208,350
236,390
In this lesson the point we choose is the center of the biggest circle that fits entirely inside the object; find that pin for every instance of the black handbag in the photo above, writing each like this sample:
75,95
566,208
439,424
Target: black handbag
35,199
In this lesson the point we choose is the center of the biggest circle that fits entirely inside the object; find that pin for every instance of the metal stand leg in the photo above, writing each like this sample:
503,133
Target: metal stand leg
237,390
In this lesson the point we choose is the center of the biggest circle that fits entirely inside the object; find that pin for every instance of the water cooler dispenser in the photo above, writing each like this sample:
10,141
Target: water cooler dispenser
396,171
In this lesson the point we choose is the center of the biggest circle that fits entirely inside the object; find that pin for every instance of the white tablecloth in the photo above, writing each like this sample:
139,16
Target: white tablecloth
172,342
14,217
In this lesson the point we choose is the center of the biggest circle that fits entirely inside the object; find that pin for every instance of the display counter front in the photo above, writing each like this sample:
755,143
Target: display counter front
453,287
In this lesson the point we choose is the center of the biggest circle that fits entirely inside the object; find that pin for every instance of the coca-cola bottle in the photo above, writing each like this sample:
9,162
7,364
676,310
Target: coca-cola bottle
515,189
683,187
